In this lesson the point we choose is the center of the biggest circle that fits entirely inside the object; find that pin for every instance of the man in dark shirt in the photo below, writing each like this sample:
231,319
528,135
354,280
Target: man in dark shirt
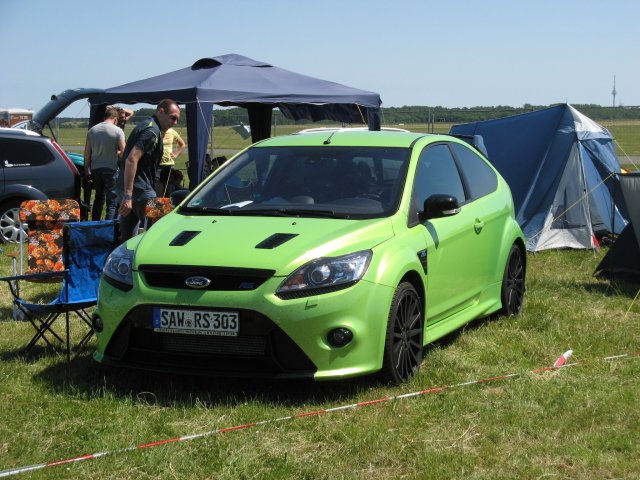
141,156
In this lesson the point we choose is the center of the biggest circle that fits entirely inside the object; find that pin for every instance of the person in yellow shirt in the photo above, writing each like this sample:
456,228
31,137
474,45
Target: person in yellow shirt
168,161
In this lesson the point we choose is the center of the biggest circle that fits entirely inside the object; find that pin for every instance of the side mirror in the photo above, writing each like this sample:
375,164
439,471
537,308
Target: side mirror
178,196
438,206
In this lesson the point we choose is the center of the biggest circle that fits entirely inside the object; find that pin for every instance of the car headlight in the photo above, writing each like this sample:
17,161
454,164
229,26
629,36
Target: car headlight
324,275
118,268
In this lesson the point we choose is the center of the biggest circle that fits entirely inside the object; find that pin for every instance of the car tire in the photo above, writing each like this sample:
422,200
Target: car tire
403,347
512,293
10,222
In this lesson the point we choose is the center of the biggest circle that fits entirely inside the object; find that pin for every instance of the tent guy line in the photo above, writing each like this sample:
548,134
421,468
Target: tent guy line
634,301
586,194
560,363
626,155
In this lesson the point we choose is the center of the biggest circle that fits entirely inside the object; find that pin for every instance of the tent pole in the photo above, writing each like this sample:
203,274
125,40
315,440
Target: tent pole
587,196
213,121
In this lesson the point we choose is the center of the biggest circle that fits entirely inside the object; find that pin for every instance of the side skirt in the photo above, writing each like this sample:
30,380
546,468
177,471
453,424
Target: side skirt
487,303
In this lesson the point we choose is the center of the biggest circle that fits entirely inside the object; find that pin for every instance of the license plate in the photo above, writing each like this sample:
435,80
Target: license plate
196,322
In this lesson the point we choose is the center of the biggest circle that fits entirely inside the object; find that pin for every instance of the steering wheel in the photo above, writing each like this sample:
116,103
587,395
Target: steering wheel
369,195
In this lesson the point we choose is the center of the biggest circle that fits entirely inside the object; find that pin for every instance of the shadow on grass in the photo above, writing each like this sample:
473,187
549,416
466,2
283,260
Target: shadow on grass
613,287
6,313
34,355
83,376
39,352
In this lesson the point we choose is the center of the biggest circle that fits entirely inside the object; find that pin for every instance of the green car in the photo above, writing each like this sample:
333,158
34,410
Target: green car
326,255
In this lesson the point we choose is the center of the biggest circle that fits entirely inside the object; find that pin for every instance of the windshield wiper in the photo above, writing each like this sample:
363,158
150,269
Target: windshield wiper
264,212
206,210
290,212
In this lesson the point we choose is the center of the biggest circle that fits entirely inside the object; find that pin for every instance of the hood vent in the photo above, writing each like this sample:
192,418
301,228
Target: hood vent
276,240
183,238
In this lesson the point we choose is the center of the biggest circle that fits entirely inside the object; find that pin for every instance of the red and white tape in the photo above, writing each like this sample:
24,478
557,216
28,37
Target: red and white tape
561,362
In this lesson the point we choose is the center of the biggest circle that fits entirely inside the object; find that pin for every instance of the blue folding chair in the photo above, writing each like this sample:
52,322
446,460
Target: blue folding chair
86,246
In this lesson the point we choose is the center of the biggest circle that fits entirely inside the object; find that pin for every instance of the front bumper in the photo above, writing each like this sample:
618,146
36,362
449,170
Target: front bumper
277,338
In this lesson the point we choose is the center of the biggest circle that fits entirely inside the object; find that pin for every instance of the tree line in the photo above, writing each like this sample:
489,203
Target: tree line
403,115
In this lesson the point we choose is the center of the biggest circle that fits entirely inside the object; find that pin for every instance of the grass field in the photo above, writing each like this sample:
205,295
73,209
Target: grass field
580,422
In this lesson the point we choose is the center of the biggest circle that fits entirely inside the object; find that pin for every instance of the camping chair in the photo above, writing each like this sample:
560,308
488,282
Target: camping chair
155,209
43,220
85,248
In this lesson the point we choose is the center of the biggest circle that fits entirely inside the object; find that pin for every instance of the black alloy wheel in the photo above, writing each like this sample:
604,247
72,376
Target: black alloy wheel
403,348
513,283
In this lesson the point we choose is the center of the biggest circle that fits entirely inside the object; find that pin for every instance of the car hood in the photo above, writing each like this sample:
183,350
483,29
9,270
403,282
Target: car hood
275,243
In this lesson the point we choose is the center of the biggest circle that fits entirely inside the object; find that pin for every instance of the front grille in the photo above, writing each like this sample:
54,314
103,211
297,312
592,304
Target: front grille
205,344
260,349
222,278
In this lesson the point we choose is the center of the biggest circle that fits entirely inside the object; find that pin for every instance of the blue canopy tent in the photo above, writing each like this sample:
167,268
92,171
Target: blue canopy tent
560,166
234,80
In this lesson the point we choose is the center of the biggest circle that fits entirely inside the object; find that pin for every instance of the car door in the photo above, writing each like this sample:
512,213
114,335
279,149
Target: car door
481,183
17,159
454,278
28,164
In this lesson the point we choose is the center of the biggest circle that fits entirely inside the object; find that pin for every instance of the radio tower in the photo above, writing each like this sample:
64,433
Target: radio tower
614,92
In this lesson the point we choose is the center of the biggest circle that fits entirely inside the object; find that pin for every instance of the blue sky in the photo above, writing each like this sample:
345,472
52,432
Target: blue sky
413,52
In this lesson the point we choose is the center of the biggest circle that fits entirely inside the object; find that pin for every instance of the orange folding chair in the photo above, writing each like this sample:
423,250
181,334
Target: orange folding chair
44,220
155,209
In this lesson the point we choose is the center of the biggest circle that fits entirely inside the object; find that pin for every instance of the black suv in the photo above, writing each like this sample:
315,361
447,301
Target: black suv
32,167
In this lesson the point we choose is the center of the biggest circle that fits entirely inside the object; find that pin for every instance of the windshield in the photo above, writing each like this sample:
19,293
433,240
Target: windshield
327,181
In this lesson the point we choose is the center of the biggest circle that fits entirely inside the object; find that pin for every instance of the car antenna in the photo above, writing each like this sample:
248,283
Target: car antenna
328,140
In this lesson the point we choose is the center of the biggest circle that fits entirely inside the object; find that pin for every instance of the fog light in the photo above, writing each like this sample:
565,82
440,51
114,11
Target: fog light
339,337
97,323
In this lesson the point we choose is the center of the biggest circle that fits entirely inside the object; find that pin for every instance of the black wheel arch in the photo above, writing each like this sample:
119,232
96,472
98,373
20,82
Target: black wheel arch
415,279
523,250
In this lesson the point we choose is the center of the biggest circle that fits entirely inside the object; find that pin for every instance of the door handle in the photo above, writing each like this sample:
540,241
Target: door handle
478,226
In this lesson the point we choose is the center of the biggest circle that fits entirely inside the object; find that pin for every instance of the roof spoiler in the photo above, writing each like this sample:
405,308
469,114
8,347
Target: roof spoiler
476,141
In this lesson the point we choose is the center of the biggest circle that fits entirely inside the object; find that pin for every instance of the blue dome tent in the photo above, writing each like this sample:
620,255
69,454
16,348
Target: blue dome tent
560,166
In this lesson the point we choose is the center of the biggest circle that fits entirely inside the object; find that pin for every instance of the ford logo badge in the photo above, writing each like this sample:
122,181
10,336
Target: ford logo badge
197,282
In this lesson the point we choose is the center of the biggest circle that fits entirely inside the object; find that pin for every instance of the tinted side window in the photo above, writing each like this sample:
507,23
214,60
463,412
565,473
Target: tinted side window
23,153
437,173
481,179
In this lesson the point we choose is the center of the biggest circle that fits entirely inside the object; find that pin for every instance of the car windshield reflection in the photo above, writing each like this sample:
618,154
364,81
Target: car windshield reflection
333,182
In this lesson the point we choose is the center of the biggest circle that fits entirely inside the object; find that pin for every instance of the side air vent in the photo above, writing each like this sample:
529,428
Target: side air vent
183,238
276,240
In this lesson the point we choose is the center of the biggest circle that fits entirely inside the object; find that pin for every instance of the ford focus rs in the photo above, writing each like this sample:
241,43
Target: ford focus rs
327,255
